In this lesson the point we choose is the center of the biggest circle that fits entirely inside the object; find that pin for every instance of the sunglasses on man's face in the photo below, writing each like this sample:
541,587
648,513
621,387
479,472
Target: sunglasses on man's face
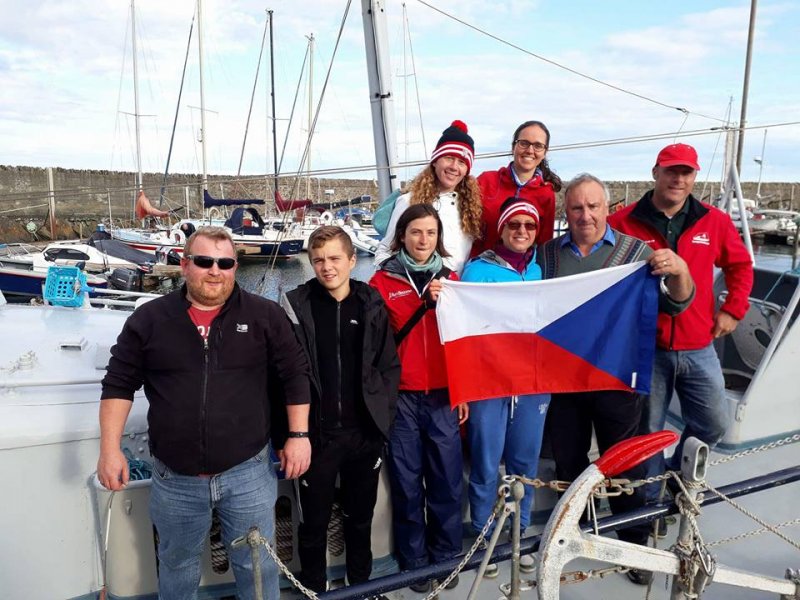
206,262
514,225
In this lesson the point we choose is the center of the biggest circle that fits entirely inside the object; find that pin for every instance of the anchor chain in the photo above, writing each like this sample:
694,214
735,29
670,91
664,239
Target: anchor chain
571,577
627,486
698,555
776,444
281,566
503,491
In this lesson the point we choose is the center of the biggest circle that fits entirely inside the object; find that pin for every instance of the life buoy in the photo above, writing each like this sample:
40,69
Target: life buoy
214,214
326,218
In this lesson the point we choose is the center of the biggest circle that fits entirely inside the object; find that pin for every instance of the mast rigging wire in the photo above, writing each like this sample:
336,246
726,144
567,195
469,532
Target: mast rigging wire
78,192
566,68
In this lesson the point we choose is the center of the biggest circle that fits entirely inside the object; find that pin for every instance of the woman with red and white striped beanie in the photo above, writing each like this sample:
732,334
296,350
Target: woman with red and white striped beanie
445,183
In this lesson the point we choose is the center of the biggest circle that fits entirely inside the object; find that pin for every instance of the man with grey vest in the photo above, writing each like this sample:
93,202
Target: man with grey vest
590,244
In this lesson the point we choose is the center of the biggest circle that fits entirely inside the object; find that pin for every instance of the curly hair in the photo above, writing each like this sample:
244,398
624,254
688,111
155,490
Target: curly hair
423,188
547,173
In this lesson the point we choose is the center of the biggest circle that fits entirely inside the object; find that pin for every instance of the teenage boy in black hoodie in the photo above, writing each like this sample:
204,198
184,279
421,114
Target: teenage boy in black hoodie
343,326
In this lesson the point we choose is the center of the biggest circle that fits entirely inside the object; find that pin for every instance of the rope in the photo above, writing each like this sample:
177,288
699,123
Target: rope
755,532
139,469
10,210
757,519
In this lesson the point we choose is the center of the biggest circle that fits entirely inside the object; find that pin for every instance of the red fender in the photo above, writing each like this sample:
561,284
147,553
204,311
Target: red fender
629,453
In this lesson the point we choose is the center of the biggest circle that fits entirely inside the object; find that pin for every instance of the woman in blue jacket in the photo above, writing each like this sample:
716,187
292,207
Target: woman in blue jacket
520,418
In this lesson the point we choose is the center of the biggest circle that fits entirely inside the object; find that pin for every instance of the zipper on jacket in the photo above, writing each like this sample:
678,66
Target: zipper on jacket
339,362
203,424
425,351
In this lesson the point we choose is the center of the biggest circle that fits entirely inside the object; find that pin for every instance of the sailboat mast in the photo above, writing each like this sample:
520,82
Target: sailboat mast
746,86
379,74
139,183
202,94
310,109
272,93
405,90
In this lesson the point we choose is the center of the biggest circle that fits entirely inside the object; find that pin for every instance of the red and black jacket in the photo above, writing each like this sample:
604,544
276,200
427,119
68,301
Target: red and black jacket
421,352
709,239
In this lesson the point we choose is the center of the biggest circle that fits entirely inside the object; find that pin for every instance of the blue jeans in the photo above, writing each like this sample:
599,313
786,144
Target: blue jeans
502,429
696,376
180,508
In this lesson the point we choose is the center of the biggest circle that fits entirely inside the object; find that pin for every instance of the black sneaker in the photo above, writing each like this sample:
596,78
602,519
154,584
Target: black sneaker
640,576
423,587
659,528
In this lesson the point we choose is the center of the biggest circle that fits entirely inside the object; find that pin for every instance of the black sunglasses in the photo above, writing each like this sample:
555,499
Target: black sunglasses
514,225
206,262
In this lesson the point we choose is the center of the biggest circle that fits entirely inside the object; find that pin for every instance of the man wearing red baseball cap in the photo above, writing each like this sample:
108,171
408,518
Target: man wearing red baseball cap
668,216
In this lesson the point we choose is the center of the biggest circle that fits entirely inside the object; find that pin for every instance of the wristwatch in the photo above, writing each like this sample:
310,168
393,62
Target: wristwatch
298,434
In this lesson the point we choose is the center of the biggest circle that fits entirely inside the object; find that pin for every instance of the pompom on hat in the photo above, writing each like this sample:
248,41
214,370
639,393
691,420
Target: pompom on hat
455,141
678,154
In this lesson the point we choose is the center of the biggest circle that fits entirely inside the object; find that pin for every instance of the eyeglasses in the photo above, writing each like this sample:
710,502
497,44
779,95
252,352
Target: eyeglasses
525,144
206,262
514,225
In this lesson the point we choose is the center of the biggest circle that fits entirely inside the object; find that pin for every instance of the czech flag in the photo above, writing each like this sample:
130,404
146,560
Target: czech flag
588,332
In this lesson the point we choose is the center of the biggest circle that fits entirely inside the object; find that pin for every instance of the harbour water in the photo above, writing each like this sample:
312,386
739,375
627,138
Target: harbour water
288,274
269,281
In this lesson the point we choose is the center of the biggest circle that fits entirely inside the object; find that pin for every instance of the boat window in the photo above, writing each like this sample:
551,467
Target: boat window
65,254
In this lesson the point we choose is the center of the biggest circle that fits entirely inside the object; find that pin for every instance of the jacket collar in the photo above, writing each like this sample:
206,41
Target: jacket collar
645,210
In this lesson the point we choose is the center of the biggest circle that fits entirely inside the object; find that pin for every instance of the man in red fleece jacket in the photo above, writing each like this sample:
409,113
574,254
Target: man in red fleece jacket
668,216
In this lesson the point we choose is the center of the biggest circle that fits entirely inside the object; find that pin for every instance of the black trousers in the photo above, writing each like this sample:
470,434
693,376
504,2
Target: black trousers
357,460
615,416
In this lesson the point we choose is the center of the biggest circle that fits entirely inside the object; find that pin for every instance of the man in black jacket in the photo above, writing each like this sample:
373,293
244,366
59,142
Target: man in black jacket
205,354
343,326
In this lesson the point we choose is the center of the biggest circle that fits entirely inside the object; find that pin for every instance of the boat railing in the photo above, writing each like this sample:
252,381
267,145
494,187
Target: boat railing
589,534
530,544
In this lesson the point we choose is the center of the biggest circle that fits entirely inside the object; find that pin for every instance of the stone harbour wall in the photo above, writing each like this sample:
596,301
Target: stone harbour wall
85,197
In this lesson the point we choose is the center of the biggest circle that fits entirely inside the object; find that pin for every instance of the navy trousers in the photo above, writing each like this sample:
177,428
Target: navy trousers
425,469
615,416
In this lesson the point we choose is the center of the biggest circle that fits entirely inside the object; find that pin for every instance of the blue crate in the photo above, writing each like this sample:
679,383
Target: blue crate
64,286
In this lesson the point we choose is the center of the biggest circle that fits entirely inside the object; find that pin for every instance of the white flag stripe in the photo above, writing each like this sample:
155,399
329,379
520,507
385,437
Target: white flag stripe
468,309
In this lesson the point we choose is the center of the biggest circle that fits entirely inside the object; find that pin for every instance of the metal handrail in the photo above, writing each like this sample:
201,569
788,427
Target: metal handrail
530,544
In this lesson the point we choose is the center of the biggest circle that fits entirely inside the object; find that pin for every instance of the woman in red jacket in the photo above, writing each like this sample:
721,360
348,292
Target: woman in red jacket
425,462
528,177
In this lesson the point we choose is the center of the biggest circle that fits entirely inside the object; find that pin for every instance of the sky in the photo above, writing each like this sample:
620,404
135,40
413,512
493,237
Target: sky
67,100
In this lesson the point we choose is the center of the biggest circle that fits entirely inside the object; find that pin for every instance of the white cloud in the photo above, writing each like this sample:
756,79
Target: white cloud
61,79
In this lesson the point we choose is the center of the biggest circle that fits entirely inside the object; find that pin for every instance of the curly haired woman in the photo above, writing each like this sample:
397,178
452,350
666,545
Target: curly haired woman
447,185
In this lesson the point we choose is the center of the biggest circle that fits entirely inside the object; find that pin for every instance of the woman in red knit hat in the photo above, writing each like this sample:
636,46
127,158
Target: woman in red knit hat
447,185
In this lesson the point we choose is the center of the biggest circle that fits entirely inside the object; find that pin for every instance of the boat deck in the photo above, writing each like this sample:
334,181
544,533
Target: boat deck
765,554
